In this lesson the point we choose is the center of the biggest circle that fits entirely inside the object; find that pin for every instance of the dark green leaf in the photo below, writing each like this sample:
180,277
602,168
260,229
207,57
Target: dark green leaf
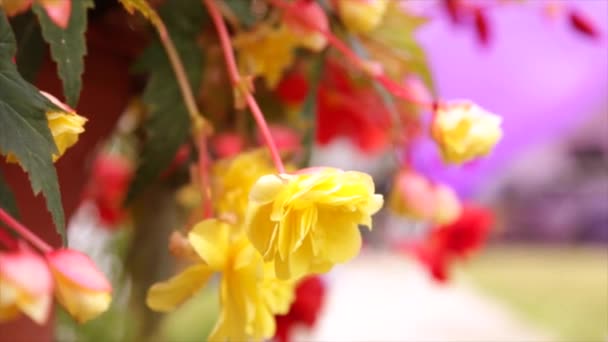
7,200
68,46
30,45
168,123
24,130
242,9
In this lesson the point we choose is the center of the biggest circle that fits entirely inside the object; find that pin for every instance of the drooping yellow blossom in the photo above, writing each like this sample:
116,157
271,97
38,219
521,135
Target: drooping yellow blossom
249,296
266,51
307,222
65,126
361,16
465,131
235,177
79,286
25,286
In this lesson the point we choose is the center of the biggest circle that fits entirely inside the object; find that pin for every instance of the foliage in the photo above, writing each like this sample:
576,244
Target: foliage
68,46
24,131
183,173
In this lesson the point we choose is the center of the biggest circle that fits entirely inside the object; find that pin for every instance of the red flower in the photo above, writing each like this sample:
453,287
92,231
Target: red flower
347,109
453,241
293,88
310,294
583,25
108,186
344,108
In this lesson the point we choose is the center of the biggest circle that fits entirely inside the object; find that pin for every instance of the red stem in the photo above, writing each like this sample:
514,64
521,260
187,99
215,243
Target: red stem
24,232
203,169
237,81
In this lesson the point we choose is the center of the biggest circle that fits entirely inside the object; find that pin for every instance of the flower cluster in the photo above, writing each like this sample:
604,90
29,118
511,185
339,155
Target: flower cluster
271,230
264,223
28,282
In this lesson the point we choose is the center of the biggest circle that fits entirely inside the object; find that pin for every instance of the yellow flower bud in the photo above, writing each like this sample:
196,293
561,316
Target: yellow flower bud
464,131
25,286
361,16
309,221
80,287
65,126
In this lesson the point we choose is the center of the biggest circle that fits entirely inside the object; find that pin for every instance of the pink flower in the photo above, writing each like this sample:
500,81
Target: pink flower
80,287
26,285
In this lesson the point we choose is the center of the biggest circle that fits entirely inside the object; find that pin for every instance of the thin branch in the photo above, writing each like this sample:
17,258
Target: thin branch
241,86
24,232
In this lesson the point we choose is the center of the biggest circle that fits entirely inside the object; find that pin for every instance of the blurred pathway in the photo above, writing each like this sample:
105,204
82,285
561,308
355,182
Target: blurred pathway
382,297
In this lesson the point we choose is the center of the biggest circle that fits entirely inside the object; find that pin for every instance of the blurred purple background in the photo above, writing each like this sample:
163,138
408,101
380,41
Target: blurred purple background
541,76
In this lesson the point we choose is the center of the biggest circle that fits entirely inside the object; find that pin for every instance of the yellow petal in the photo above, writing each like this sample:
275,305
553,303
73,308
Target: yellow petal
37,309
65,128
210,239
261,231
166,296
341,238
82,304
266,189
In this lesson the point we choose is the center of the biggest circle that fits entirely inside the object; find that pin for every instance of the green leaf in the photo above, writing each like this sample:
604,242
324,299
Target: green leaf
68,46
394,44
7,200
168,124
24,130
242,10
30,45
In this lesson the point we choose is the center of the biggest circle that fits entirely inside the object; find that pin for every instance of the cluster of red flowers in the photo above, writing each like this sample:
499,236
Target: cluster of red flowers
451,242
344,109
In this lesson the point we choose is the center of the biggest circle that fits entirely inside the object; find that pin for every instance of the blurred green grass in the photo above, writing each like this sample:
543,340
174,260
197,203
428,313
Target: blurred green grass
563,290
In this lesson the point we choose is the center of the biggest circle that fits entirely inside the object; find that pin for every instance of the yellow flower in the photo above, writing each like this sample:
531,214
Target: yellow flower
65,126
235,177
79,286
25,286
307,222
248,295
266,51
361,16
464,131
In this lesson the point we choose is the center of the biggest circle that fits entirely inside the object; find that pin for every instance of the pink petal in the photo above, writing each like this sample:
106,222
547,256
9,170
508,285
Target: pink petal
78,268
227,145
56,102
58,11
27,270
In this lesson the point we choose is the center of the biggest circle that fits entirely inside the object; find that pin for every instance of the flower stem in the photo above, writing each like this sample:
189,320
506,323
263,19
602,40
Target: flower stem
24,232
199,123
203,174
238,82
